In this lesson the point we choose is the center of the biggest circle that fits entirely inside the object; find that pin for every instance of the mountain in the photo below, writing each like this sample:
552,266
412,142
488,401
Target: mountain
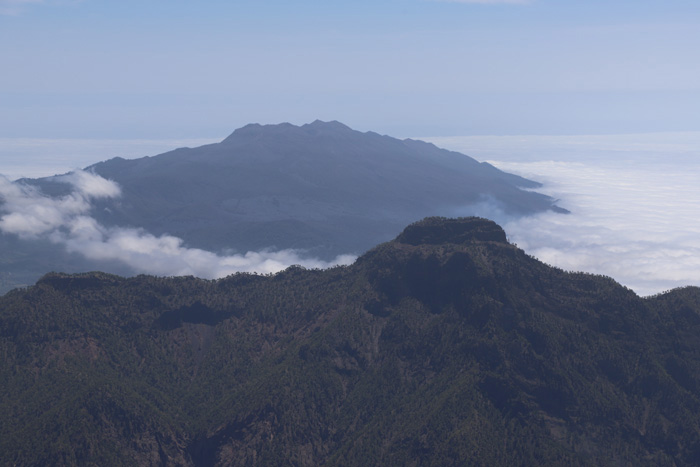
322,188
445,346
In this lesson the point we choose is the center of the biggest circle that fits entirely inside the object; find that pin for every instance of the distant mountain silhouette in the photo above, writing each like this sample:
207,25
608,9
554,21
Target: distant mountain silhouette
321,187
445,346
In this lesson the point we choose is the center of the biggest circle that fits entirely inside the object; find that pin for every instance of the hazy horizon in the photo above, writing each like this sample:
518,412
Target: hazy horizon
167,70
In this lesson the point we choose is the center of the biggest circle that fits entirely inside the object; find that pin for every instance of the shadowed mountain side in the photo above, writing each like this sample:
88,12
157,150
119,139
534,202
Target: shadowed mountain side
321,187
447,346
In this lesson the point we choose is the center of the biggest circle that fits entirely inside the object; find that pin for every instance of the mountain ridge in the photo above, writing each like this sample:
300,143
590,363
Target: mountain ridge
321,189
348,177
444,346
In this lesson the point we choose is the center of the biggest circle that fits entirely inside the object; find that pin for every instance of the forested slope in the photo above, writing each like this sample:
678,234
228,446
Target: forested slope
446,346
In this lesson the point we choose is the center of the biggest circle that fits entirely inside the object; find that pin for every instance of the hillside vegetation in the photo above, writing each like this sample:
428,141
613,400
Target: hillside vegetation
446,346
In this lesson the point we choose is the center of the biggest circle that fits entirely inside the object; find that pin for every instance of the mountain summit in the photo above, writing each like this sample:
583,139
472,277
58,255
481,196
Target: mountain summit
436,231
322,187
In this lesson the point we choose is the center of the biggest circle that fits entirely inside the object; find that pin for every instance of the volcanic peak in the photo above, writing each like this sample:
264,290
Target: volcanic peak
441,230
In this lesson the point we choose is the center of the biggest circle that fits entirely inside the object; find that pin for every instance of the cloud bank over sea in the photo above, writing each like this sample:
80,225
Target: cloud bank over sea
634,202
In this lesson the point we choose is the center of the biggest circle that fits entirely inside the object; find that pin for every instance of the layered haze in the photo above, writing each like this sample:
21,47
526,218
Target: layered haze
44,157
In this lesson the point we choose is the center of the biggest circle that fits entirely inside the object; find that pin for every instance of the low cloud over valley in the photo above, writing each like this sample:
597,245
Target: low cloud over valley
66,222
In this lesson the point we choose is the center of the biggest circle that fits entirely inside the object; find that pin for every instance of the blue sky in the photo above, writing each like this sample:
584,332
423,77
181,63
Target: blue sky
185,69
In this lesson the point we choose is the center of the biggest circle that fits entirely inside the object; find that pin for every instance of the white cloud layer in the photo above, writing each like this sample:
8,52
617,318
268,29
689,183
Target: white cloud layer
635,203
29,214
66,221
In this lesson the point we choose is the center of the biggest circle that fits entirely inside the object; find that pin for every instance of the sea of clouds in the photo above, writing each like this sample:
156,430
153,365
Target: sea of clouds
634,202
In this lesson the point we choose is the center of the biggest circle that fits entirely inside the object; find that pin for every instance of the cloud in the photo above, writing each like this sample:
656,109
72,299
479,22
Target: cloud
634,202
90,185
29,214
637,224
66,221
